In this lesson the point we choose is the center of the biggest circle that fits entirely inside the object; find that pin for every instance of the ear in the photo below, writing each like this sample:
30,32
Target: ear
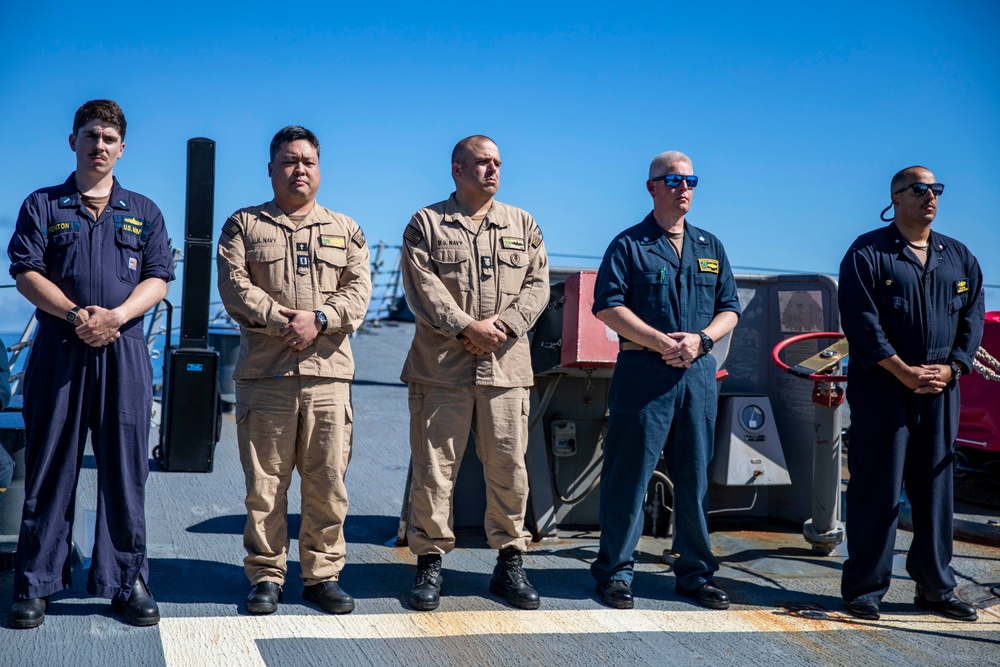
456,170
121,150
270,168
72,142
649,187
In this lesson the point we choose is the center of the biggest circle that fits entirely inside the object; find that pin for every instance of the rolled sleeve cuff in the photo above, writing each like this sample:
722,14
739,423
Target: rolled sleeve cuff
878,355
961,357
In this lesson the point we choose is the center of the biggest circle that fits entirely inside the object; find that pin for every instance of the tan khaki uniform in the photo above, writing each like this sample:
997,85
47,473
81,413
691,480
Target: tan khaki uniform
293,407
455,272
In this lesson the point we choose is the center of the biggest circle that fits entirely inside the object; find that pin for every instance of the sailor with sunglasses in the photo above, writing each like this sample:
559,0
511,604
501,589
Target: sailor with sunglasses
911,305
667,289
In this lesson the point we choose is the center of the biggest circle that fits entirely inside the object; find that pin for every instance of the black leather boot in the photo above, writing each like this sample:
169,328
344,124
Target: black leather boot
140,608
426,592
264,598
510,581
28,613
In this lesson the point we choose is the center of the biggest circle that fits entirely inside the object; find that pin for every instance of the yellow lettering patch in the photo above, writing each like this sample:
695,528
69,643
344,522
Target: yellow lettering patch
708,265
333,241
132,228
59,227
961,286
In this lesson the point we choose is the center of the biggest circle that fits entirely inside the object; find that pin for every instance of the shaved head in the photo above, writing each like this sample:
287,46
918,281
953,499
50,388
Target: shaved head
464,147
904,177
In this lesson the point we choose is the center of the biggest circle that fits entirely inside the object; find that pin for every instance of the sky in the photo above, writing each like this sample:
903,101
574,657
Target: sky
796,115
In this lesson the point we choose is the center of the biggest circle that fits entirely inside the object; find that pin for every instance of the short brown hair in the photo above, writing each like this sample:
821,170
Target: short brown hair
463,147
105,110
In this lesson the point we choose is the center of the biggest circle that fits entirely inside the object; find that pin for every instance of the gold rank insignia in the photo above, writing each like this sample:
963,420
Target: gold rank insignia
708,266
511,243
333,241
961,286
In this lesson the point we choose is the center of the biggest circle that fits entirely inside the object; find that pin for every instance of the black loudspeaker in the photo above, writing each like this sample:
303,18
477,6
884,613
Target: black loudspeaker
191,418
200,210
200,189
197,282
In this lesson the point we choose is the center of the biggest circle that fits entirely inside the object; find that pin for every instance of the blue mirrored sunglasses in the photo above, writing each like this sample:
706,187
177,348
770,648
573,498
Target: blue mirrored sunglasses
674,180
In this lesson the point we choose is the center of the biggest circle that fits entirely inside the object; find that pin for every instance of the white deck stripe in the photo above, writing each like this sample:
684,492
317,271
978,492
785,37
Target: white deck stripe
223,641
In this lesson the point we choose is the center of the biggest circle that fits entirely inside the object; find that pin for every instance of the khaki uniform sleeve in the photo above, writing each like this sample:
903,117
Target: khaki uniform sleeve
533,298
249,306
427,296
346,308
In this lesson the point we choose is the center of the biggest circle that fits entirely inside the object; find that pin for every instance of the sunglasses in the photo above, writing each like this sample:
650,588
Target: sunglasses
674,180
920,189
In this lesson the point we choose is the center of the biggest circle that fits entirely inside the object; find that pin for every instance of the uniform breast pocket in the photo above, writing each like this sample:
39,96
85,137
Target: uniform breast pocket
513,268
453,268
704,292
129,256
330,263
62,256
266,265
649,297
957,303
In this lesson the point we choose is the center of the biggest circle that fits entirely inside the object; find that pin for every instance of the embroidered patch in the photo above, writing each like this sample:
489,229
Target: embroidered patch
511,243
359,238
961,286
333,241
132,263
536,238
412,235
133,225
708,266
57,227
130,225
231,229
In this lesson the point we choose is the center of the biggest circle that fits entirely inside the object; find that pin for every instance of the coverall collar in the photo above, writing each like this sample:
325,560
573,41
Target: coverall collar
653,239
453,213
272,211
899,243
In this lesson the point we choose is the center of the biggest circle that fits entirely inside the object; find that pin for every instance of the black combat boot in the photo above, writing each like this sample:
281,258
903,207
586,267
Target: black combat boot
510,581
426,592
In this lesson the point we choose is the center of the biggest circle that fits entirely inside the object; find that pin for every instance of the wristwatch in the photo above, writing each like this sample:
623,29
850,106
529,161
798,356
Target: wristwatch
71,315
956,369
706,342
321,320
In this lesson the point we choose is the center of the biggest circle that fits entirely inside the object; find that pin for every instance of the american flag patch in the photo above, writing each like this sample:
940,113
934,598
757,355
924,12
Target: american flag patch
412,235
231,229
359,238
536,238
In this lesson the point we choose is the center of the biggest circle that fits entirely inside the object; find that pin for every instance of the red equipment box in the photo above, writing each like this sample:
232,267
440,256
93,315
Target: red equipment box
979,423
586,341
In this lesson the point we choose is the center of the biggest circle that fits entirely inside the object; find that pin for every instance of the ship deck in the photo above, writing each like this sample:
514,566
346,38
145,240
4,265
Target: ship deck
786,610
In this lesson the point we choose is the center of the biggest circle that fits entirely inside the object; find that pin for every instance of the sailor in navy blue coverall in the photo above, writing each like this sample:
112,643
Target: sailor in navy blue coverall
667,289
93,258
911,305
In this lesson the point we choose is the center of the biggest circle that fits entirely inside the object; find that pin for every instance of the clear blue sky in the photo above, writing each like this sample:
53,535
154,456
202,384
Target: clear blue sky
796,115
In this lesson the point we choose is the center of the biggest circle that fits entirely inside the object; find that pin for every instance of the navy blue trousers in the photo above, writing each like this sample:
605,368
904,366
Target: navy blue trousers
71,388
649,402
899,440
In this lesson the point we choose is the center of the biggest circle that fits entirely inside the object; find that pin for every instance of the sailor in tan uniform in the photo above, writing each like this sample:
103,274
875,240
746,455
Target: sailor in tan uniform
295,276
476,277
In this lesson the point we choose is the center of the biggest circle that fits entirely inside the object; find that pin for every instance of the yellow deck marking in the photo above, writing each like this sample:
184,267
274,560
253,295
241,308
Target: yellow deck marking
222,641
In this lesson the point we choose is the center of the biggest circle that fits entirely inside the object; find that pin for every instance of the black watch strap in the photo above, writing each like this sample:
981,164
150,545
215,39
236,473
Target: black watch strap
706,342
71,315
321,320
956,369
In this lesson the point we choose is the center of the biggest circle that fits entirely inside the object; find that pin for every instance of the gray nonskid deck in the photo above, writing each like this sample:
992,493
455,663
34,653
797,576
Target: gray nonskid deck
786,601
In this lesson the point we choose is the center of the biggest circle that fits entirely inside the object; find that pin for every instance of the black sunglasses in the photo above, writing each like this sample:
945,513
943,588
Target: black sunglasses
673,180
920,189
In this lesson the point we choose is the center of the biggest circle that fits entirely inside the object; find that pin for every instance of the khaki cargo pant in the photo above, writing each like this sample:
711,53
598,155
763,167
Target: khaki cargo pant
440,421
281,424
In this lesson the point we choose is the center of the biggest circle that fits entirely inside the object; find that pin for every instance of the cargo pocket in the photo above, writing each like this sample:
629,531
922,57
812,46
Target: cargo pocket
513,269
63,256
454,269
704,292
266,265
129,256
330,263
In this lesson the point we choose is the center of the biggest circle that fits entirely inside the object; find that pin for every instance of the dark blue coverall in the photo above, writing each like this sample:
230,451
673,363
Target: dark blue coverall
933,314
71,387
650,400
6,462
